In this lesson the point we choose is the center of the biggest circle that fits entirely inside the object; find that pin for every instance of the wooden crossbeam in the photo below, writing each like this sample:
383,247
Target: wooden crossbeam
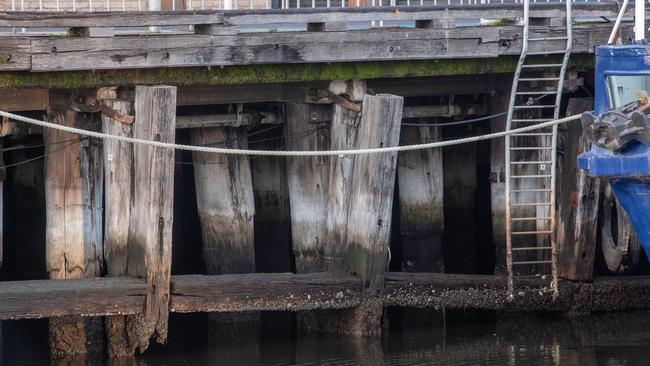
39,19
86,297
290,292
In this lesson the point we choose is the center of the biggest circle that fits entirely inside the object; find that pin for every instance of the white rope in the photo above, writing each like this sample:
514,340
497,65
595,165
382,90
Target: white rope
218,150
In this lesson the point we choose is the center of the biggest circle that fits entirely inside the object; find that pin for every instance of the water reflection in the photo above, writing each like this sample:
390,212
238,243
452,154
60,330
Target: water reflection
415,337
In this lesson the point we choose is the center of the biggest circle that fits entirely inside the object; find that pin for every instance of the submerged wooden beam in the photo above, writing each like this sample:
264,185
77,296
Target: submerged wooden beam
264,291
290,292
82,297
150,229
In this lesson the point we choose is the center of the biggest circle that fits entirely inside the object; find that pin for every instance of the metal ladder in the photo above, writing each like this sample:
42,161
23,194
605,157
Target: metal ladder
530,163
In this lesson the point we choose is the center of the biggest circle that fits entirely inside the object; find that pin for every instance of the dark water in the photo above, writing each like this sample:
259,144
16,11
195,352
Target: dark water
414,338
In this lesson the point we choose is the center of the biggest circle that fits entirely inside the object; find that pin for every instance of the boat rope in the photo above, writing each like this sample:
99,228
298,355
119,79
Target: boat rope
220,150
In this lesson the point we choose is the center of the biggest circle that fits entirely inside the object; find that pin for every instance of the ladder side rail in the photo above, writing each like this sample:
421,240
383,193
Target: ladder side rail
511,106
556,115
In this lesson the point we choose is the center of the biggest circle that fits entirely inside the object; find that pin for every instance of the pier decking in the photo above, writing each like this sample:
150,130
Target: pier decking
327,78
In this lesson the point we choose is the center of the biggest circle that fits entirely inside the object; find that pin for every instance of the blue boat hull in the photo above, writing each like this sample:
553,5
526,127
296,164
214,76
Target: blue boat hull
628,170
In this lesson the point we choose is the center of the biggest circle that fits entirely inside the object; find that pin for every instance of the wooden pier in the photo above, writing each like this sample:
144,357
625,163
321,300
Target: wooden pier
133,232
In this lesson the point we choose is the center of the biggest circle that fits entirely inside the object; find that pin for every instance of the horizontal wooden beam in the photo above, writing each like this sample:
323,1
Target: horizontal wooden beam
267,291
290,292
407,13
12,100
39,19
271,73
137,52
85,297
303,15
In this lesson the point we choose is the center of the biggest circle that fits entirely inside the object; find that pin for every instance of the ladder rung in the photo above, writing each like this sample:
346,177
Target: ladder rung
530,162
540,53
531,232
539,79
532,176
531,190
533,262
534,106
539,66
531,248
531,204
531,148
537,92
547,39
529,218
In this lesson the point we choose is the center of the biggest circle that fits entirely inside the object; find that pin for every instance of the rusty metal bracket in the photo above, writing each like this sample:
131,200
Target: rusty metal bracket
110,112
335,98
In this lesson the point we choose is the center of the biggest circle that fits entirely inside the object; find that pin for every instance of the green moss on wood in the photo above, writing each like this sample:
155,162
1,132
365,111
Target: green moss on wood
254,74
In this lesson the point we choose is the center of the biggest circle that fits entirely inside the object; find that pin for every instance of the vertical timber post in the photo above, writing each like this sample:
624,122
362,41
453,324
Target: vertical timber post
578,201
307,178
150,227
118,173
497,104
420,177
73,199
226,207
272,210
360,200
224,195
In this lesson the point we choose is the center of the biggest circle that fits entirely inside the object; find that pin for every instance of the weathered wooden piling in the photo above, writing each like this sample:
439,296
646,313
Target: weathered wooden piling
577,201
272,210
498,103
226,208
360,200
307,177
420,177
224,195
73,199
118,179
150,227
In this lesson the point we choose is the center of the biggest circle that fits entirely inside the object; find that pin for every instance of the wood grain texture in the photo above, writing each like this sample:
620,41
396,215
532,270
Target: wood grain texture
361,188
73,191
264,291
420,177
81,297
578,200
13,100
74,212
118,170
39,19
307,179
52,54
118,166
224,196
14,54
150,230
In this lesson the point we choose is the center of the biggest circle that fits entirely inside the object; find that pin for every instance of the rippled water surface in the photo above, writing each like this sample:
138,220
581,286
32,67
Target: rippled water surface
414,338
